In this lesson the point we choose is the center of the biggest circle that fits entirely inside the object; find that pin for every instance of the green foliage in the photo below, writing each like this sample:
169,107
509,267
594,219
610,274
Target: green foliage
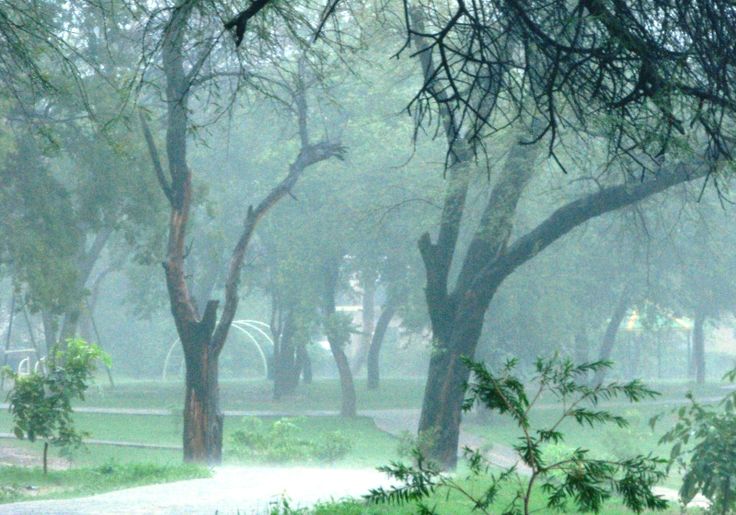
40,403
282,441
565,476
704,450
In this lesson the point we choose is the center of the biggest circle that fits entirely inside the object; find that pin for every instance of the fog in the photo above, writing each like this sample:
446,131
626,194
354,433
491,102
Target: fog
367,257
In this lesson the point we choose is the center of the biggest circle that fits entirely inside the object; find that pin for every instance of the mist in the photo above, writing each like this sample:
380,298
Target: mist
367,257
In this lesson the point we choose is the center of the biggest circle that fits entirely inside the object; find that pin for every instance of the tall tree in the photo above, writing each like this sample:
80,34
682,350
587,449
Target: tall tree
201,333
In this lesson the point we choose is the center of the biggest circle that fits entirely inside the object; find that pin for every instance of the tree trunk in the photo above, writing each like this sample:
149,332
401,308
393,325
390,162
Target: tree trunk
699,347
609,338
304,363
337,337
203,420
45,458
285,367
439,424
367,322
347,388
376,342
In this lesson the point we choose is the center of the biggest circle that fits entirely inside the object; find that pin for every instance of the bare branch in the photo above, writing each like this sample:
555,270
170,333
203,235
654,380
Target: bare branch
155,159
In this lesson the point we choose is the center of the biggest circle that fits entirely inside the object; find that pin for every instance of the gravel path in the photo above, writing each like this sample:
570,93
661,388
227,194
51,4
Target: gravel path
231,490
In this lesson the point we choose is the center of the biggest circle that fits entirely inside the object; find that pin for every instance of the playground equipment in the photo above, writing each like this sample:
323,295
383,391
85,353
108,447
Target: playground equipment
245,327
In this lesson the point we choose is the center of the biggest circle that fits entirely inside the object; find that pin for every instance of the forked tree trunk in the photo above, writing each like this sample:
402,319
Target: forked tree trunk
374,353
699,347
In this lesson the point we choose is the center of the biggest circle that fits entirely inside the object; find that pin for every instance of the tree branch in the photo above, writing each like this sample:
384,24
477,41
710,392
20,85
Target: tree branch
307,157
153,152
579,211
240,21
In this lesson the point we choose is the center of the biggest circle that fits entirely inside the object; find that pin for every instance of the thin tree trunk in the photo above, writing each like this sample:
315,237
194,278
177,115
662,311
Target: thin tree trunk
374,352
285,367
305,363
50,328
91,317
609,338
45,457
699,346
336,338
367,322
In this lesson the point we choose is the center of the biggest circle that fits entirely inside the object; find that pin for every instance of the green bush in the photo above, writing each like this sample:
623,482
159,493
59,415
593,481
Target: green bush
283,441
704,450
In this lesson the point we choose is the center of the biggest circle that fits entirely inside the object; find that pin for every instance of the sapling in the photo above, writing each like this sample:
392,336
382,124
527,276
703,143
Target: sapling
576,477
41,402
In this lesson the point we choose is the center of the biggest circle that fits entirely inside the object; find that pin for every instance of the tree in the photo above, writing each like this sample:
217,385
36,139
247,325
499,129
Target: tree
457,312
201,333
40,403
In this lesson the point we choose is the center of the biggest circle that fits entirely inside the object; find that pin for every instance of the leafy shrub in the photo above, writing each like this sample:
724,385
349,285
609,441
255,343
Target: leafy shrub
40,403
283,441
332,447
564,475
704,450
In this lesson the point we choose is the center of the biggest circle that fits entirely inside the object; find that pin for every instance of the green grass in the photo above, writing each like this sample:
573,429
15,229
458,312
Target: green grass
19,483
371,446
256,395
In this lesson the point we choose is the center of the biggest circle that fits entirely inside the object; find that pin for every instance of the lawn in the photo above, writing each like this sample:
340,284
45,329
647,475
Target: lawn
104,467
20,483
371,447
257,395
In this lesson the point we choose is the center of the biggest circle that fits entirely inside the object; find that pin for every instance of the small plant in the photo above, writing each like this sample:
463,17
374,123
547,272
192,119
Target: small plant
40,403
704,450
564,475
282,441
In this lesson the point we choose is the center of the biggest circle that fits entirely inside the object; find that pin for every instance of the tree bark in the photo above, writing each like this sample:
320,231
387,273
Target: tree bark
699,346
203,420
374,352
609,337
439,423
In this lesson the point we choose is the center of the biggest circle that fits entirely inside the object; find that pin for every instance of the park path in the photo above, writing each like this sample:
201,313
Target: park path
230,490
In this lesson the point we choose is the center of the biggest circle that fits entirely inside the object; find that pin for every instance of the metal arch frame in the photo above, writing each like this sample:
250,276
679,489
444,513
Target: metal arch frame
242,326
